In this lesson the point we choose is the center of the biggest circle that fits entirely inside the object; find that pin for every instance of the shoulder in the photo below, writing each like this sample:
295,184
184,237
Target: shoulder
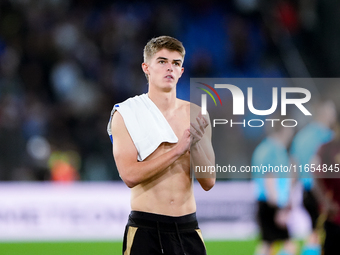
126,108
191,108
196,110
131,100
183,106
117,122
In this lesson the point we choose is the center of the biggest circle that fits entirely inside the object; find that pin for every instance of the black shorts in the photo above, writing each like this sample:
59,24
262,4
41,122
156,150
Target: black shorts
270,231
148,233
312,207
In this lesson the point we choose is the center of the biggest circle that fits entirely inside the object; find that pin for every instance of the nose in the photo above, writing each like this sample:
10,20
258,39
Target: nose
169,67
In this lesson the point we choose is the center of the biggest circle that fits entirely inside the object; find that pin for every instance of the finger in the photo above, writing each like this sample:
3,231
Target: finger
186,132
193,139
194,134
205,121
200,124
193,127
202,121
196,129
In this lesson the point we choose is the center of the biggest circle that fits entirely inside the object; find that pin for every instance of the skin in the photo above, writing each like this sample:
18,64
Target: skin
161,183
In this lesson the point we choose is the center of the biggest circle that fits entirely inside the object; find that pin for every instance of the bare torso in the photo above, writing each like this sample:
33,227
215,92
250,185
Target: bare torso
170,192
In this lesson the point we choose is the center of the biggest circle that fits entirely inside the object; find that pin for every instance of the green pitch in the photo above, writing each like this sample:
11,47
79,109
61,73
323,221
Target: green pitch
112,248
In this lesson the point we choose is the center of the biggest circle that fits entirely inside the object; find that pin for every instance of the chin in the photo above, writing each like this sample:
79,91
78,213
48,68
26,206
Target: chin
167,89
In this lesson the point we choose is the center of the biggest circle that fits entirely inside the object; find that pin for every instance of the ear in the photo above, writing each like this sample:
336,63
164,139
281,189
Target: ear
145,68
182,70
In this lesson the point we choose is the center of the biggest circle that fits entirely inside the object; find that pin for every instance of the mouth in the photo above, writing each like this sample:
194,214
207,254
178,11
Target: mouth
169,77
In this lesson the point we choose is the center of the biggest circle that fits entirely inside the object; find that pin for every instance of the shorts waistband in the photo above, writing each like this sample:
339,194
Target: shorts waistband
163,222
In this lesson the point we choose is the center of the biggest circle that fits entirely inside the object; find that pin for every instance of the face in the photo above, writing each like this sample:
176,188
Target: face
164,69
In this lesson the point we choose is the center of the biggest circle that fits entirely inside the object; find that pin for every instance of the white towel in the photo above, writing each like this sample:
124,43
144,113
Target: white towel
145,123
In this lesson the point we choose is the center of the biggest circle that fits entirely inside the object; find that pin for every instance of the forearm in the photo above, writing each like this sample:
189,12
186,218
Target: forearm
200,158
139,172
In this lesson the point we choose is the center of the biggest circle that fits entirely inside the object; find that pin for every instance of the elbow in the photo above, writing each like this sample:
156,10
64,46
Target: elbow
129,180
208,184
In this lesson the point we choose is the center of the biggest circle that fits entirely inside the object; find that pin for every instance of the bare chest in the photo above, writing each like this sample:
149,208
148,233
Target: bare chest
179,122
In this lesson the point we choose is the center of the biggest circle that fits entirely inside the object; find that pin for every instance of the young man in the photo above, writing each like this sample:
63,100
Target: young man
154,144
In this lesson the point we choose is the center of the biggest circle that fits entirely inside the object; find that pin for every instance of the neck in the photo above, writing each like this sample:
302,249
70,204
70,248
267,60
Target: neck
165,101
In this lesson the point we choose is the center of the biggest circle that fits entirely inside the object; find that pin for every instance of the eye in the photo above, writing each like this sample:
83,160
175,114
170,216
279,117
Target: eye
161,62
177,64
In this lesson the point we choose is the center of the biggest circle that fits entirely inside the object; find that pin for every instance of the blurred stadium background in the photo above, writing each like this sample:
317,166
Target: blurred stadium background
63,65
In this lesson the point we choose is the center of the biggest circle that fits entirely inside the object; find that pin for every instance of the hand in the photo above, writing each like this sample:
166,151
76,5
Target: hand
197,130
183,144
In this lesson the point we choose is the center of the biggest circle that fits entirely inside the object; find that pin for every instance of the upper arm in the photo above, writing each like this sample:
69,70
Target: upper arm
123,148
203,154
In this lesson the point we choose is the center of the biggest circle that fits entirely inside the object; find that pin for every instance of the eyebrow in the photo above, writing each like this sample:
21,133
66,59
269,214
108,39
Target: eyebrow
175,60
